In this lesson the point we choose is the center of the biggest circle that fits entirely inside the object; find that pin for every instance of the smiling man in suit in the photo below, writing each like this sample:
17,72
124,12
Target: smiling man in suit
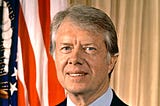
84,46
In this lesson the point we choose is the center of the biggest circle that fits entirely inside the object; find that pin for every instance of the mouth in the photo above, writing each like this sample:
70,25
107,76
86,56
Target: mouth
76,74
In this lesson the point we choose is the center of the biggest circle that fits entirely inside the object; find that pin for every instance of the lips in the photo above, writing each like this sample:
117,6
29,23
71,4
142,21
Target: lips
75,71
76,74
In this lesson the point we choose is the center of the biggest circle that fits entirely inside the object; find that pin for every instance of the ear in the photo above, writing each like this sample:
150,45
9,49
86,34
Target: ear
112,63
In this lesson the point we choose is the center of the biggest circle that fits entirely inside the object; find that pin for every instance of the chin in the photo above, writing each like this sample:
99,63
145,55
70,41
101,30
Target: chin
77,90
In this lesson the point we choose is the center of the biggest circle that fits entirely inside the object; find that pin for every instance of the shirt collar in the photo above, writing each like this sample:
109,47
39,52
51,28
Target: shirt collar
104,100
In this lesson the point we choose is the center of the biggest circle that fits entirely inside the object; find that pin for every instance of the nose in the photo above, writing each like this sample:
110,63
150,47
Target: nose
75,61
76,57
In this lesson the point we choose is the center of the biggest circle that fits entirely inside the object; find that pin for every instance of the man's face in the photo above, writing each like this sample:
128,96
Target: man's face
81,59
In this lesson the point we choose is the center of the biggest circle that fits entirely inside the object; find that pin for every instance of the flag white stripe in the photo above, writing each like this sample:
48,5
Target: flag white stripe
56,6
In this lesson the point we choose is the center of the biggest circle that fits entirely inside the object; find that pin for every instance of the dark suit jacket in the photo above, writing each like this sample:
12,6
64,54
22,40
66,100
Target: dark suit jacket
115,101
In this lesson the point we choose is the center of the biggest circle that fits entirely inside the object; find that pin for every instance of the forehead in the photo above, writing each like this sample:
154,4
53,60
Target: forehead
69,29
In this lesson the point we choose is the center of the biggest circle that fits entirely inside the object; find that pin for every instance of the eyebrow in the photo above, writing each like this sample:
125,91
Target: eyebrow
66,43
83,44
87,44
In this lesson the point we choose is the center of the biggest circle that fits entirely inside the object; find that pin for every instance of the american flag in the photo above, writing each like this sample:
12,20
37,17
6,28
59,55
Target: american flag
31,77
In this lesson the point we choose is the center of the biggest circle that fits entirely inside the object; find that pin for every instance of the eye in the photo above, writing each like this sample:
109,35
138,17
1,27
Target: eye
90,50
66,49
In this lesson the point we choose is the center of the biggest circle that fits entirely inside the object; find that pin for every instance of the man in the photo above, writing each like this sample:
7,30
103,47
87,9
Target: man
84,46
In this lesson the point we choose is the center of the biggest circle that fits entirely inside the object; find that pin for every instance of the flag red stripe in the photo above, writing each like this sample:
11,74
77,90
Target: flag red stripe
55,90
28,62
21,97
44,15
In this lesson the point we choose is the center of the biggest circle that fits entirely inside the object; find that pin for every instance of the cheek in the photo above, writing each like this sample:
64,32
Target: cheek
59,62
99,65
100,71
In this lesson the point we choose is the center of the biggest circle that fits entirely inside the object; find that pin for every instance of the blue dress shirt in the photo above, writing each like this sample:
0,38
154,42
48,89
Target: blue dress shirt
104,100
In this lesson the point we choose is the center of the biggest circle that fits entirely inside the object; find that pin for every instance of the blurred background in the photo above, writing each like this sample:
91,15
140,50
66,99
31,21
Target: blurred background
136,78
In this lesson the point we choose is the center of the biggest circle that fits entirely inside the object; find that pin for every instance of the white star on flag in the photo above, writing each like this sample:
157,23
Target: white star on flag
13,88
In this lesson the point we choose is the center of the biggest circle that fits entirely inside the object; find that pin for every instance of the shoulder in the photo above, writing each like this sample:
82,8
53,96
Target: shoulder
116,101
63,103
